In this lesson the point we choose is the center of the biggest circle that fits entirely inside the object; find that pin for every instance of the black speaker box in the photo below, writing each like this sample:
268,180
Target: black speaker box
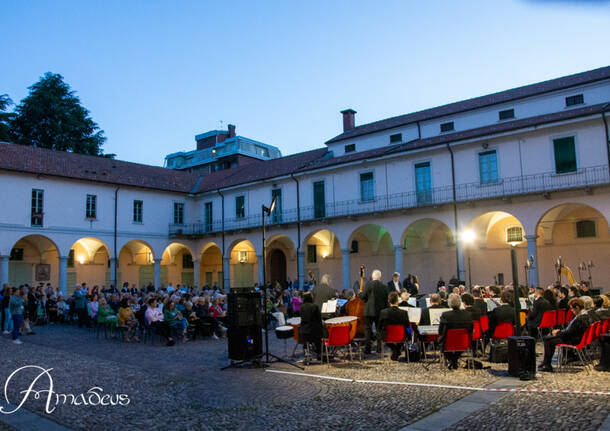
245,343
522,357
604,362
244,309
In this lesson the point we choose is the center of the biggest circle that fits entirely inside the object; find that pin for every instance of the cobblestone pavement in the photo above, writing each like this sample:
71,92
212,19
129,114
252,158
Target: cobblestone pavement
182,387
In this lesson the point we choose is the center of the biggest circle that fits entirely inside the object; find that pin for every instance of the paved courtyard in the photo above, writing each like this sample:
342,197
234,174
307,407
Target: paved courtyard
183,388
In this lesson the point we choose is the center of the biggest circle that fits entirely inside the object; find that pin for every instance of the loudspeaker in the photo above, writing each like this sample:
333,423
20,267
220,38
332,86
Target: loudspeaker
604,361
522,357
244,309
245,343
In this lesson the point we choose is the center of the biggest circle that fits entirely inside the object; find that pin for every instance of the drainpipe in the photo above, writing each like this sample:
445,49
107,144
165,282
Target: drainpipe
222,197
298,231
604,108
116,204
418,130
455,215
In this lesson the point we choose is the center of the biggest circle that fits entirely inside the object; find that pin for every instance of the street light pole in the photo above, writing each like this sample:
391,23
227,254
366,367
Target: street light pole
517,304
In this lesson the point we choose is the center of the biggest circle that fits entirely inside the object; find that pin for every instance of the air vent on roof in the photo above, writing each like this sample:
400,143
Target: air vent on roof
577,99
396,137
350,148
507,114
447,127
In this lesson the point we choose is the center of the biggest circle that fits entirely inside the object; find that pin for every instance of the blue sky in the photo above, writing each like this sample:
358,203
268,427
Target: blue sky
155,73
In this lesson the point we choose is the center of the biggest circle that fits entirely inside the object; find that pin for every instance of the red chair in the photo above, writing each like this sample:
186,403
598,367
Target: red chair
548,321
579,348
503,330
484,323
457,340
477,334
569,315
338,336
597,329
560,315
395,334
606,326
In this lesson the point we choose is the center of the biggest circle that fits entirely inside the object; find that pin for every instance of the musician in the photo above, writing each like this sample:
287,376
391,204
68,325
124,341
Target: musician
311,323
394,284
410,283
571,335
454,319
404,298
538,309
392,316
375,299
435,302
563,298
440,283
479,303
503,313
468,301
323,292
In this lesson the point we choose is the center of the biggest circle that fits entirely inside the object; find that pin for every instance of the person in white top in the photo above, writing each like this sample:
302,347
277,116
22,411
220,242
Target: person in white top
154,318
394,285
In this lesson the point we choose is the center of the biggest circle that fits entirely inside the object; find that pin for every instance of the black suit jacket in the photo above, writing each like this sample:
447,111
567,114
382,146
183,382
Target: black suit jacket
391,287
375,296
454,319
475,314
311,322
503,313
392,316
480,305
575,329
563,303
535,315
322,293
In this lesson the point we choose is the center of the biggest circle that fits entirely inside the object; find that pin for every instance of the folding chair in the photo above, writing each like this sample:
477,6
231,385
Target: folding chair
457,340
547,322
395,334
477,335
338,336
579,348
560,315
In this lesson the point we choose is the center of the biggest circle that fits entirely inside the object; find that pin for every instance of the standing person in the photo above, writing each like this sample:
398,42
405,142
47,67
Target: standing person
323,292
7,322
394,284
311,323
16,305
80,305
375,299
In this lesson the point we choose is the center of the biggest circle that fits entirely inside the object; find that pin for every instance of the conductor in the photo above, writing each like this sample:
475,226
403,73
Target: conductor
375,297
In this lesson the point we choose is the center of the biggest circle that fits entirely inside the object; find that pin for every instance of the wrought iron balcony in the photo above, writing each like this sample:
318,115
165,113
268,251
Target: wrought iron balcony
503,188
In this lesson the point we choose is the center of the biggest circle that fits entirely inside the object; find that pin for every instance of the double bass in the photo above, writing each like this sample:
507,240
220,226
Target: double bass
355,307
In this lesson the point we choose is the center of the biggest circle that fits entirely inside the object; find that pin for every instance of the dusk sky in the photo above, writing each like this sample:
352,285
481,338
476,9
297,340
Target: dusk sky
155,73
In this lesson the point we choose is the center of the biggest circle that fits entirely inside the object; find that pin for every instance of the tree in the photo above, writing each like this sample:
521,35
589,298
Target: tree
5,117
52,117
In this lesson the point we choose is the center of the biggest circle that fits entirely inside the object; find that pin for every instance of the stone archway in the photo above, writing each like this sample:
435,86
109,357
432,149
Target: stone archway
277,266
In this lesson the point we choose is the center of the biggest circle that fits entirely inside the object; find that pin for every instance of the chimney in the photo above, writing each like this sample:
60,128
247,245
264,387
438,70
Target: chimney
231,130
349,119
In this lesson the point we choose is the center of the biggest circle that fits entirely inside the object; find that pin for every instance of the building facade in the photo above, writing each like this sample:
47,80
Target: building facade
438,193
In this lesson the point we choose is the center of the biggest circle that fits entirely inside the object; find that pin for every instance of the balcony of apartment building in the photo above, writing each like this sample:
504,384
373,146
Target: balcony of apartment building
542,183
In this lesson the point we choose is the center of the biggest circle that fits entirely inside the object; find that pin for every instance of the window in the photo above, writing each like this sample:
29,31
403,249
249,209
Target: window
506,114
70,262
208,216
312,253
577,99
565,155
397,137
585,229
187,261
240,207
242,256
178,213
137,211
354,248
488,167
447,127
423,183
514,234
350,148
91,207
16,254
37,208
367,187
276,215
319,200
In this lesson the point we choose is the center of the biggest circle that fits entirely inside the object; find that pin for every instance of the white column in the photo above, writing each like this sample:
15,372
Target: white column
532,250
113,272
301,269
261,282
158,273
346,270
4,271
398,260
226,273
462,275
196,272
63,275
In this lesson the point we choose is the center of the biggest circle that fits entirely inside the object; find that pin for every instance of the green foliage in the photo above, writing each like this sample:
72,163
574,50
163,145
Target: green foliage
52,117
5,117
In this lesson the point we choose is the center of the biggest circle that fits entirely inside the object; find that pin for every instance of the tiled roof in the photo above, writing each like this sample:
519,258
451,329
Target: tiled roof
477,102
33,160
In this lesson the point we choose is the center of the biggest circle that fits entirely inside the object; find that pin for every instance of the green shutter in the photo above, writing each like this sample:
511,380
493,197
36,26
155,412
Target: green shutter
319,200
565,155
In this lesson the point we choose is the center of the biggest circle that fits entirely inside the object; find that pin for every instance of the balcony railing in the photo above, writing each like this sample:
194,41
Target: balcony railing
505,187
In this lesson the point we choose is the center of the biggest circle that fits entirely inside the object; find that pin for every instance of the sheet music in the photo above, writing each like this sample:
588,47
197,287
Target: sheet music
412,301
491,305
414,314
427,302
523,303
329,306
435,314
